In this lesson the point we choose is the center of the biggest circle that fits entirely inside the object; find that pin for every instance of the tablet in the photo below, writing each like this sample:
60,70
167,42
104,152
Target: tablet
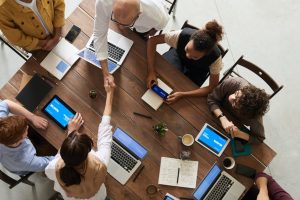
59,111
212,139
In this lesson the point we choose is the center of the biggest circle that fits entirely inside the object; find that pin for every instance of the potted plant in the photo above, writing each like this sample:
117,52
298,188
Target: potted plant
160,129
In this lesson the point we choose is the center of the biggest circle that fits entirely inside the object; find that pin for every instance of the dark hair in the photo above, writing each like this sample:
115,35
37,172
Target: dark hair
253,102
12,129
205,39
74,151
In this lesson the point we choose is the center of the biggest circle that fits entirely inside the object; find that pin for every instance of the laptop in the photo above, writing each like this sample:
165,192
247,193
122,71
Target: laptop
118,47
218,185
126,156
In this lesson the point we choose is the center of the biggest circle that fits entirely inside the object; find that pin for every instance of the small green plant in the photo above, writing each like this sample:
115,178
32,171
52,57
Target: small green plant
160,129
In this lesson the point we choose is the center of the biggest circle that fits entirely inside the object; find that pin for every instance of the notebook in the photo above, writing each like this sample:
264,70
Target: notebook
153,98
60,60
127,155
176,172
33,92
218,185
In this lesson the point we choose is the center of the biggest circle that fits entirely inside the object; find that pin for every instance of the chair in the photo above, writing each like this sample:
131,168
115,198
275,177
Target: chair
187,25
13,182
171,6
241,62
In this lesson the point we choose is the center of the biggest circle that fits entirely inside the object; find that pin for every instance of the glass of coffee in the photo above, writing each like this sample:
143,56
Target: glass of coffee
228,163
187,140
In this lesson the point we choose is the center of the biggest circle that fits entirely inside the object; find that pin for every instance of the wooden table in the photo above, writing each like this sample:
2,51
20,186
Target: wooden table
185,116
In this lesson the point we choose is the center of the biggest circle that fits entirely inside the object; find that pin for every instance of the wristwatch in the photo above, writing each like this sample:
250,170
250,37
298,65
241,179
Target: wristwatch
220,115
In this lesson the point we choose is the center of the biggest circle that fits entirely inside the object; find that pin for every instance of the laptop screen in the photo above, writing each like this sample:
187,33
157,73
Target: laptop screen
212,139
207,182
129,143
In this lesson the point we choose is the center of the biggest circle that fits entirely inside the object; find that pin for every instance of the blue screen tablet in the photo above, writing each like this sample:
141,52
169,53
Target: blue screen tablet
59,111
212,139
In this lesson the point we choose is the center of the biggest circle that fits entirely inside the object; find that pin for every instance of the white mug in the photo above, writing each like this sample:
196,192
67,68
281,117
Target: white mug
187,140
228,163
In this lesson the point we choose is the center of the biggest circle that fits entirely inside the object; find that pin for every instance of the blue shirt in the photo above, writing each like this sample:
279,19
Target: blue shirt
21,159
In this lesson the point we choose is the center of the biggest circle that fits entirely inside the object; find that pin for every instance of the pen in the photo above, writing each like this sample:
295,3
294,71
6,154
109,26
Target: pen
142,115
138,173
178,175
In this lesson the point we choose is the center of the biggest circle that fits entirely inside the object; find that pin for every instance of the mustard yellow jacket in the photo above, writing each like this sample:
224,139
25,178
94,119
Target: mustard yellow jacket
22,27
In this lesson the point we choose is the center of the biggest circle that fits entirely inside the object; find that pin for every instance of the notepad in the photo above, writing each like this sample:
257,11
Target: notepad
176,172
59,61
154,100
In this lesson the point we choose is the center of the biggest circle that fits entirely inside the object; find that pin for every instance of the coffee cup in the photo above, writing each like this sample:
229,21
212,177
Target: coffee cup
151,189
228,163
187,140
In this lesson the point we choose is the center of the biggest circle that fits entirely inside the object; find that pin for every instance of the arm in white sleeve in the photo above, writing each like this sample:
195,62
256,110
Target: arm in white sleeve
104,140
101,26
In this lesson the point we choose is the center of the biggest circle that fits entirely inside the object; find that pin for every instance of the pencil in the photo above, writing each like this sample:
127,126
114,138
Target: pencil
142,115
178,175
138,173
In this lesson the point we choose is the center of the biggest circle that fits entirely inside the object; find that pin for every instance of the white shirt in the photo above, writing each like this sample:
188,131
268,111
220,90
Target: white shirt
153,15
34,9
103,154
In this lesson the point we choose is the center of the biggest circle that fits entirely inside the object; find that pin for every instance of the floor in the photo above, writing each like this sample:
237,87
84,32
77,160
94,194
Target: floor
266,33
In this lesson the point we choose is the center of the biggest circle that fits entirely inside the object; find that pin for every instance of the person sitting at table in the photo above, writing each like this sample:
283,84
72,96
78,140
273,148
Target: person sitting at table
32,24
78,171
266,188
17,154
245,102
145,16
194,52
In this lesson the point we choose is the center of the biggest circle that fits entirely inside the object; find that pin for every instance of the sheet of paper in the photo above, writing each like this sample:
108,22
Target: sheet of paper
152,99
187,173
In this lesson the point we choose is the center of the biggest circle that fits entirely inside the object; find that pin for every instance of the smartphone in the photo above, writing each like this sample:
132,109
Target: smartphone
73,33
160,92
170,197
245,171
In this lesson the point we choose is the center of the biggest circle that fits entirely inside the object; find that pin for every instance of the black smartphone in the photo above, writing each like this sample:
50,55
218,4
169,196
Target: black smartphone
73,33
245,171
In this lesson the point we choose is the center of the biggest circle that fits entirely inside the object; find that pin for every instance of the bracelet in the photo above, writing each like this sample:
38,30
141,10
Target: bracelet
220,115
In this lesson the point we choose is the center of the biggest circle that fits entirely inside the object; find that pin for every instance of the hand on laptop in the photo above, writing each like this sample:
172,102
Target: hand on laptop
38,122
75,123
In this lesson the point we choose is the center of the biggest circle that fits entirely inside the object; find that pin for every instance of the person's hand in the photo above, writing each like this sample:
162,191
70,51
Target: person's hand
151,80
42,43
174,97
262,195
38,122
75,123
109,88
51,43
226,124
109,79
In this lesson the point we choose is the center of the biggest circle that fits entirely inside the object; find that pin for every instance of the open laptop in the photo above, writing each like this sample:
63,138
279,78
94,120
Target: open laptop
118,47
126,156
218,185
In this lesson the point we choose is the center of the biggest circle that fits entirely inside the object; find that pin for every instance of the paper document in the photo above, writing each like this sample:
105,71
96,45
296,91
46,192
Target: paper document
176,172
60,59
151,98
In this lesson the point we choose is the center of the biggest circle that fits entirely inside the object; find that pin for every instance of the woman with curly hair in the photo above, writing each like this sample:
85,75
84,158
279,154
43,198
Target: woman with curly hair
194,52
245,102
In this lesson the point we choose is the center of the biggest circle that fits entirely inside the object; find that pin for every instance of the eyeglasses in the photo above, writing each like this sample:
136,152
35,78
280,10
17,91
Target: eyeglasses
125,25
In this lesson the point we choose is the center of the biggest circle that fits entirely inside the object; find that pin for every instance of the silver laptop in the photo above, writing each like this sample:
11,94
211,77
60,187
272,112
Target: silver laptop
118,47
218,185
126,156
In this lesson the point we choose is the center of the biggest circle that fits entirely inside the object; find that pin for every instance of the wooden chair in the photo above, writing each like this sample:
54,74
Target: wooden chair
187,25
13,182
241,62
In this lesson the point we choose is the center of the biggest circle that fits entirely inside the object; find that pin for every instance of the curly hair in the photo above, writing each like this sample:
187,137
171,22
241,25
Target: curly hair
253,102
205,39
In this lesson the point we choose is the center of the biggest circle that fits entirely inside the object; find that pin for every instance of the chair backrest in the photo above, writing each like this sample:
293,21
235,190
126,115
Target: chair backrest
241,62
171,4
13,182
187,25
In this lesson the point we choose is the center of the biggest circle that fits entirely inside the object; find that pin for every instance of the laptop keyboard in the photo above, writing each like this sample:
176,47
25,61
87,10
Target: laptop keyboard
114,52
220,189
122,158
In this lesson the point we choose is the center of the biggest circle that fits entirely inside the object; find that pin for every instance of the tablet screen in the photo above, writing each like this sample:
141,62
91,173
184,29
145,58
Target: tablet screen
59,111
212,139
